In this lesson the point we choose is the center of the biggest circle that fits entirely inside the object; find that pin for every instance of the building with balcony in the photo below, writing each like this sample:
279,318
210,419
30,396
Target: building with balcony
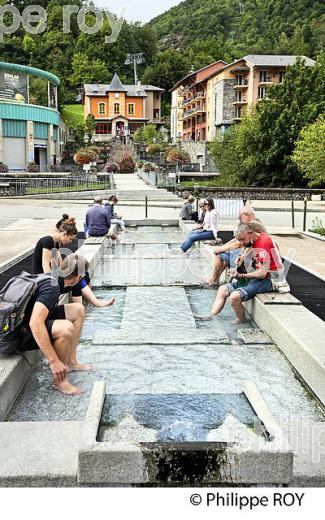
119,110
190,105
244,83
208,101
29,133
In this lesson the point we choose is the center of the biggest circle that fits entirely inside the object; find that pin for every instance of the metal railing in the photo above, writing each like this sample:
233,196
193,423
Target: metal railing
46,186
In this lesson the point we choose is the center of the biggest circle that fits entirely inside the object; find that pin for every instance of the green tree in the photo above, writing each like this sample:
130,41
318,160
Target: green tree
259,150
166,69
85,70
309,154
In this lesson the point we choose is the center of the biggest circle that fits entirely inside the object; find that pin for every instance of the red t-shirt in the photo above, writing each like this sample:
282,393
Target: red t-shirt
268,252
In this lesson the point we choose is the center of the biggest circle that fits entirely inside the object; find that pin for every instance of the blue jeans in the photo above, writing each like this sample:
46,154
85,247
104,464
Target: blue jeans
253,288
230,257
196,236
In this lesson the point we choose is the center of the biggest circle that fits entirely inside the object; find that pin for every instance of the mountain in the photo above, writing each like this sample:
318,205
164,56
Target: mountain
238,27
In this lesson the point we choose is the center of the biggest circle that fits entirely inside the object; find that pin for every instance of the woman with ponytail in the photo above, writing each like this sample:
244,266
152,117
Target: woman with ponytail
47,258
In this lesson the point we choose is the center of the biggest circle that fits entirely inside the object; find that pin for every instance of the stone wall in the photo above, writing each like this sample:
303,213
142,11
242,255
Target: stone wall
224,110
199,154
251,193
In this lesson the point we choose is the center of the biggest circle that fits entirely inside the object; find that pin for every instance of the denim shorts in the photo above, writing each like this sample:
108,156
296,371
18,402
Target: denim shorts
230,257
253,288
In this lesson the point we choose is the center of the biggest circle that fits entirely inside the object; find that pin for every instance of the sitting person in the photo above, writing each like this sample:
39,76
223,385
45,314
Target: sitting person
115,219
202,212
227,254
98,220
47,258
263,264
56,329
206,231
187,212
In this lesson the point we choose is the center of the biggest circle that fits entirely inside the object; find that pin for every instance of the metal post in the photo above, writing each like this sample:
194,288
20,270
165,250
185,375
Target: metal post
293,213
305,214
146,207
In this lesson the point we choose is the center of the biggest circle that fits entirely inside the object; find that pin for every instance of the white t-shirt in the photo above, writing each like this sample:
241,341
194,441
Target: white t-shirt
211,222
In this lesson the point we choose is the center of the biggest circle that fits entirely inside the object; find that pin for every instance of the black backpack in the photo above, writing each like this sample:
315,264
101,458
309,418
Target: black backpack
14,299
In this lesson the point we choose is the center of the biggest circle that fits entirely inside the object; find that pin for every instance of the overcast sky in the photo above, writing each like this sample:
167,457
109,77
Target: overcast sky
138,10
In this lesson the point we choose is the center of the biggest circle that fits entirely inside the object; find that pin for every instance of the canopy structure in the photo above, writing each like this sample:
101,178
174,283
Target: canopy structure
14,67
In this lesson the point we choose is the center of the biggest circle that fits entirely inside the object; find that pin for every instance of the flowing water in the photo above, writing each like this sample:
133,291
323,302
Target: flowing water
169,376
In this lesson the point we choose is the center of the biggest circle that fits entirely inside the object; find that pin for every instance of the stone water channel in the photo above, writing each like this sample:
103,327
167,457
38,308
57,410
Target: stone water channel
169,377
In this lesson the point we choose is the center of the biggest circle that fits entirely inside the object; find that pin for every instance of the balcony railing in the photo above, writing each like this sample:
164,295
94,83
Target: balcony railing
196,96
266,79
242,85
193,111
242,101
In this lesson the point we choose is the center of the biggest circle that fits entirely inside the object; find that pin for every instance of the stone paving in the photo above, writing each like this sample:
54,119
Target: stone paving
126,344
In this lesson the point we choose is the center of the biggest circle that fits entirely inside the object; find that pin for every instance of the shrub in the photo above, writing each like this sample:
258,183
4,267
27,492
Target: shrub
127,164
112,167
85,156
154,148
32,167
179,156
140,164
318,227
149,167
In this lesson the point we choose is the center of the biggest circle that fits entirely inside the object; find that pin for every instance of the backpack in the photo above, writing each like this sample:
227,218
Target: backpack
14,299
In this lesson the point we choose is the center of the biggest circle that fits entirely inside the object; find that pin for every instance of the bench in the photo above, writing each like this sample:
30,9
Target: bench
278,299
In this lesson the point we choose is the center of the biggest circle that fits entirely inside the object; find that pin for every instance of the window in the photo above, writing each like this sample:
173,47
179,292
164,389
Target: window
264,78
102,109
117,108
239,96
238,113
131,109
239,78
282,75
261,92
156,113
103,128
158,96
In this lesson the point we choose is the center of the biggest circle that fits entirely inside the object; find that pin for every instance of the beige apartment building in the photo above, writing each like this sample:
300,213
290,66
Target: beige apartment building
205,106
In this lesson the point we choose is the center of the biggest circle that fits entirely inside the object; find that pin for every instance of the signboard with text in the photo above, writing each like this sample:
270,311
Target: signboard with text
13,86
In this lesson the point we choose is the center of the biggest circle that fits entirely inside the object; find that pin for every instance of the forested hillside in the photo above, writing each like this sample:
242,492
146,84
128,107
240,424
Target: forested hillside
190,35
239,27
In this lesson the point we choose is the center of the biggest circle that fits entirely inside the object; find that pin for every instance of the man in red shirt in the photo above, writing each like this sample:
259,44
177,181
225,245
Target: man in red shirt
261,266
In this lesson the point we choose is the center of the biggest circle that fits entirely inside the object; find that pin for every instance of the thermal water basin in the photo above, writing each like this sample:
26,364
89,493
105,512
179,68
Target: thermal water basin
146,445
155,356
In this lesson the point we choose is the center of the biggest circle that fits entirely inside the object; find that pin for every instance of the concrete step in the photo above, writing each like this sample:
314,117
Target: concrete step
39,454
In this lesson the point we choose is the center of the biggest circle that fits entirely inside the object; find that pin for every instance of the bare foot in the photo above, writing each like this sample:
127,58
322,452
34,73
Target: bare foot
77,367
238,322
211,281
67,389
205,318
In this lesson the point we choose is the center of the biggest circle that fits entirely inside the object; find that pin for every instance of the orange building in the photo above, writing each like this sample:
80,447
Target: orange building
119,110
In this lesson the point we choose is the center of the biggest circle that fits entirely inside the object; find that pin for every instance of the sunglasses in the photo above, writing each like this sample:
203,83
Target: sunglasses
206,204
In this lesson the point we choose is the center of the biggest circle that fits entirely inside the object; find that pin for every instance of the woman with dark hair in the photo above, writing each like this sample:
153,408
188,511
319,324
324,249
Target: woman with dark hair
47,257
47,254
206,231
